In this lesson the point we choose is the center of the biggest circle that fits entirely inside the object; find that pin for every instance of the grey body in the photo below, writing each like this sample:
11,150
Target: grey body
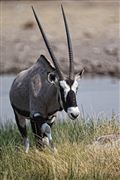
32,92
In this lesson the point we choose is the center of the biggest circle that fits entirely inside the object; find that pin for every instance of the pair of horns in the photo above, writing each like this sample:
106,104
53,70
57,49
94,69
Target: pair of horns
71,66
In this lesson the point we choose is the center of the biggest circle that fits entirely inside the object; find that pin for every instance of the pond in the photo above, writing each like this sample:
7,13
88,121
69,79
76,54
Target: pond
96,97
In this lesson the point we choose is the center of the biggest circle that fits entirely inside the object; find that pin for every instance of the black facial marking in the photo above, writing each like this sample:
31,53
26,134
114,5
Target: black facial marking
70,82
71,99
63,98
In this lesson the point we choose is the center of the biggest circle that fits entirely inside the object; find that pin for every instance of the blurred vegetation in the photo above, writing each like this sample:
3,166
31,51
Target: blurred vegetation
93,27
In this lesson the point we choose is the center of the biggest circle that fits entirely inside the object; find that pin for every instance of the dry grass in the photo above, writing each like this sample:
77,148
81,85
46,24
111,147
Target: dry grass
77,157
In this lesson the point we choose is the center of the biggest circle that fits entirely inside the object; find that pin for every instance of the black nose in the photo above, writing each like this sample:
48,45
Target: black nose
74,116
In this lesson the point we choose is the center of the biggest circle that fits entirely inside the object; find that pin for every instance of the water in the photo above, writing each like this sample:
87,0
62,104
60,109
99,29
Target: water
96,97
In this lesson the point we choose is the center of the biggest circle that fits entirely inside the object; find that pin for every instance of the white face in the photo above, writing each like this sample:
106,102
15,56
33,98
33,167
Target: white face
72,111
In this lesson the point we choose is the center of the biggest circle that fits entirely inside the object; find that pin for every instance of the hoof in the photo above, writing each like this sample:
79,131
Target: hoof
45,141
55,150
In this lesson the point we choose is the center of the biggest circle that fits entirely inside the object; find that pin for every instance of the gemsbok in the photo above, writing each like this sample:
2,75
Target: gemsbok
40,91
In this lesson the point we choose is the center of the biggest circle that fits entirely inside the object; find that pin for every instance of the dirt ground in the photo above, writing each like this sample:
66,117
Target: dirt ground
94,29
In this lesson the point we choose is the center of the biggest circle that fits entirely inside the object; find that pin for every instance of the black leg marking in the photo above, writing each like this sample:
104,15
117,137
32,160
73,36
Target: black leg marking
36,124
22,129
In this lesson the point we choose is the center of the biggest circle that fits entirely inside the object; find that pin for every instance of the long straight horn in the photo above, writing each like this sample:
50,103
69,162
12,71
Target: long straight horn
48,47
70,50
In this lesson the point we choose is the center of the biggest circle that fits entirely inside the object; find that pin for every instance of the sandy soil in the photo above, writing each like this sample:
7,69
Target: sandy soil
94,29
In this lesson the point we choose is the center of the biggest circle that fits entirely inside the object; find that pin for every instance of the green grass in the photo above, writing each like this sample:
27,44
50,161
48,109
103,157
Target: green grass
77,157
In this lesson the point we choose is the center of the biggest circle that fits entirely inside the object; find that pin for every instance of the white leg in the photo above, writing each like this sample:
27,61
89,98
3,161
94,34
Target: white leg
45,129
26,144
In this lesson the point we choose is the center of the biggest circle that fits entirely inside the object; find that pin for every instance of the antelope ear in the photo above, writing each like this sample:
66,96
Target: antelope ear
52,78
79,75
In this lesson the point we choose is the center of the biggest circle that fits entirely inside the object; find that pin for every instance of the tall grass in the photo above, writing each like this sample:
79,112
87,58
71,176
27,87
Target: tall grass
77,157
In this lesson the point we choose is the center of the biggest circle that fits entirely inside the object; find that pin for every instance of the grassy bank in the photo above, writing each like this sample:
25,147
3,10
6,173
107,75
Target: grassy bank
77,157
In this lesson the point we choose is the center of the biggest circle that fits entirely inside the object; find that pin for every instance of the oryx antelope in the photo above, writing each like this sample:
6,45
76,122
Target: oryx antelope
40,91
